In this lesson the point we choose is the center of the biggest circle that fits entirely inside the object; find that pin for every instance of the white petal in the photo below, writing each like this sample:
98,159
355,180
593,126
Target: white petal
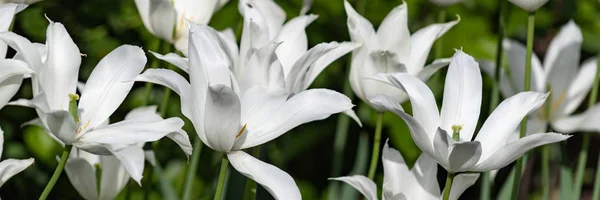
259,103
10,167
425,175
393,33
462,96
25,48
306,4
360,29
62,125
274,15
529,5
8,88
322,62
7,13
505,119
441,145
421,138
256,72
578,89
304,107
114,177
222,122
421,43
130,132
294,80
461,183
173,81
11,77
424,108
58,77
464,156
229,43
158,16
150,157
395,171
256,31
198,12
586,121
109,83
513,150
132,159
175,59
82,175
294,42
279,184
432,68
515,52
562,59
361,183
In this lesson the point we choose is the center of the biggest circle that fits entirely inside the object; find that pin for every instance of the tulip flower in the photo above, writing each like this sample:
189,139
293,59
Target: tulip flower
391,49
165,19
10,167
529,5
569,84
399,182
11,71
18,1
106,88
228,119
446,136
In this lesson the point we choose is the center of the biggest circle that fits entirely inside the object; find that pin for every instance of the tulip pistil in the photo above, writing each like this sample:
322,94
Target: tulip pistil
456,132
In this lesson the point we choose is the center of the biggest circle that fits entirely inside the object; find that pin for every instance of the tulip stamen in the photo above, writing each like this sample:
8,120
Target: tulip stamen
241,131
558,101
456,132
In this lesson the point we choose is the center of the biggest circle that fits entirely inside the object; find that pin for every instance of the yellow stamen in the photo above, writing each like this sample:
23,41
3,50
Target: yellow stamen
559,101
241,131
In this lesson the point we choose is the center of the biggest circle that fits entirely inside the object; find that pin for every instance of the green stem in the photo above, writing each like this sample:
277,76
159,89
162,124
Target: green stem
545,172
448,186
191,172
376,144
527,83
596,193
222,173
581,163
439,45
155,64
592,101
250,190
57,172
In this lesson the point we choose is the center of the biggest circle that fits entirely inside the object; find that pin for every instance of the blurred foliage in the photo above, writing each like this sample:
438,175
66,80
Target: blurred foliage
99,26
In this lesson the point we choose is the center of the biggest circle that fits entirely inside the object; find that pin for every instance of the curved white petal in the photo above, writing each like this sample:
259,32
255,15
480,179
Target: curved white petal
294,42
513,150
175,59
586,121
464,156
82,175
222,122
562,59
27,50
304,107
461,183
7,13
58,77
279,184
578,89
425,174
322,62
113,178
130,132
421,43
505,119
158,16
423,103
462,96
132,159
10,167
294,79
515,52
360,29
393,33
11,77
61,125
198,12
273,15
395,171
364,185
8,88
173,81
427,71
109,84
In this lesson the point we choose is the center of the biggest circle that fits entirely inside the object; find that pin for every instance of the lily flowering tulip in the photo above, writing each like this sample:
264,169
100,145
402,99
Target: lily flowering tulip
11,71
446,136
399,182
10,167
391,49
568,83
165,19
228,119
529,5
106,88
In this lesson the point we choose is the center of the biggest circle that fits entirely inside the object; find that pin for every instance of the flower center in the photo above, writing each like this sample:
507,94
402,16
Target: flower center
456,132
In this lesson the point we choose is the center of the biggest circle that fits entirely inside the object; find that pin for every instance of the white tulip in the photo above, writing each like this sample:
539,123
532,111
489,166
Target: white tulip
391,49
446,136
11,71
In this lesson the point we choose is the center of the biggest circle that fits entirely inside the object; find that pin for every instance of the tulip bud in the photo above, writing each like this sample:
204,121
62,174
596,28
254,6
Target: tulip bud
529,5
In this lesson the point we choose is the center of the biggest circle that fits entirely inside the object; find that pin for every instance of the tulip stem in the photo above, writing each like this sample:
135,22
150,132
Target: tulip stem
191,172
527,83
222,174
376,144
586,141
61,165
596,193
250,190
448,186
